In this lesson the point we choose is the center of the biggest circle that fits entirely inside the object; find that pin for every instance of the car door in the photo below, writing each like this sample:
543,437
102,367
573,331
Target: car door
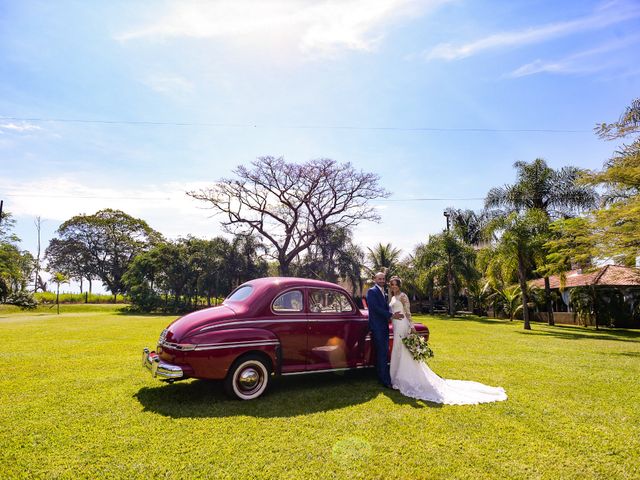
290,325
336,330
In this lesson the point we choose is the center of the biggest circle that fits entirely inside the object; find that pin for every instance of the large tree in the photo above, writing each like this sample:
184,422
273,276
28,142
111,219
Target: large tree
246,259
557,193
215,263
164,270
289,205
175,273
333,256
15,265
469,226
571,245
70,257
613,230
554,193
617,223
6,228
445,259
108,241
522,236
15,269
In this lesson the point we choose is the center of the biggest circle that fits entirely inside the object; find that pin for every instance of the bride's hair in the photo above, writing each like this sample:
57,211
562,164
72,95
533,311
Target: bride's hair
396,279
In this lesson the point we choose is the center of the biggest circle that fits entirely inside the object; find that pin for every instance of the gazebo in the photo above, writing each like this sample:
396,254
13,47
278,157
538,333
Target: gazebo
617,288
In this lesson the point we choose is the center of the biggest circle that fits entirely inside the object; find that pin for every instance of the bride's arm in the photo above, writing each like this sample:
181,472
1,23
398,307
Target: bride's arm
407,308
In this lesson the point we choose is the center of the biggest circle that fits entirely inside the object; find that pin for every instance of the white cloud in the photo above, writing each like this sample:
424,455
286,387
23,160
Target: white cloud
606,15
18,127
312,27
587,61
165,207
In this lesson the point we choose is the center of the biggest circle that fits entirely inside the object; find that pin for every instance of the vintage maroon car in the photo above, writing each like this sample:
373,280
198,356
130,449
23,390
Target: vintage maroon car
266,327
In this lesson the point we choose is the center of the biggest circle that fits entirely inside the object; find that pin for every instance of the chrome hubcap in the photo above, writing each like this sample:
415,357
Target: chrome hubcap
249,379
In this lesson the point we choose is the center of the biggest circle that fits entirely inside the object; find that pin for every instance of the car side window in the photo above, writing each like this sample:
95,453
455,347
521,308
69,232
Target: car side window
328,301
288,302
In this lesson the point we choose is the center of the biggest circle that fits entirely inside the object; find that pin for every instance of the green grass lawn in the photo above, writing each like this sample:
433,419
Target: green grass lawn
75,402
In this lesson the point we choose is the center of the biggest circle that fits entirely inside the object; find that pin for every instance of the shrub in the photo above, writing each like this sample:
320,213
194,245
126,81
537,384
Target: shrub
22,299
50,298
144,299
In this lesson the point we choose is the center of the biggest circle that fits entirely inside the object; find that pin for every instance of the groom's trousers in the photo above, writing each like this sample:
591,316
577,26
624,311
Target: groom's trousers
380,337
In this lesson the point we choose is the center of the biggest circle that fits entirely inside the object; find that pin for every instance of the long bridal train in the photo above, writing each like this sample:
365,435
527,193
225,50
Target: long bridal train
416,380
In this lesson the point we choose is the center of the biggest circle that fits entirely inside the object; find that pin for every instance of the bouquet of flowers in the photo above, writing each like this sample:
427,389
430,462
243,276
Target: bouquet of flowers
417,346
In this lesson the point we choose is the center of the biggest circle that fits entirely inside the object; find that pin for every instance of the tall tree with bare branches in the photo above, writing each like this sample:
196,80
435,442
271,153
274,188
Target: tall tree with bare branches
289,205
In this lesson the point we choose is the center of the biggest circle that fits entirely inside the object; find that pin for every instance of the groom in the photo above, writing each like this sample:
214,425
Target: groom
379,316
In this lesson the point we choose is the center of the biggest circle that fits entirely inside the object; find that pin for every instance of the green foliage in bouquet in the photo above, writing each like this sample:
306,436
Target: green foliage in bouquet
418,347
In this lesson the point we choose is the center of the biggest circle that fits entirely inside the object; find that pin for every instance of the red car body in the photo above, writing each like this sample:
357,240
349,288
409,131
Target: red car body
266,327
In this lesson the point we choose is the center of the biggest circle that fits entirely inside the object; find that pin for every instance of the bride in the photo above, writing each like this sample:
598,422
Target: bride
415,379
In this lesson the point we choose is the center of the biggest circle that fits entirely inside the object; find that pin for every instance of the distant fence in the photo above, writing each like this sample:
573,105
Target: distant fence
567,318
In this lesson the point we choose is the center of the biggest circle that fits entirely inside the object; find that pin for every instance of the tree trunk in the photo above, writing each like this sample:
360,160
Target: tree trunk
283,267
430,302
547,297
452,307
522,273
595,306
58,298
38,223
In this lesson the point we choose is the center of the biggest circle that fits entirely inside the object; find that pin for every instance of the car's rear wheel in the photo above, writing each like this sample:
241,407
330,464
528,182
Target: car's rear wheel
248,377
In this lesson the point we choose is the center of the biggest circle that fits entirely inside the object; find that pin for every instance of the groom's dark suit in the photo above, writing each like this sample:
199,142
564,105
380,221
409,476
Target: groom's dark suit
379,316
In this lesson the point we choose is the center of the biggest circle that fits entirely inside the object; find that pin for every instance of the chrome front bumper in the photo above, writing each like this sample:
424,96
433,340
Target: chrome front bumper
158,368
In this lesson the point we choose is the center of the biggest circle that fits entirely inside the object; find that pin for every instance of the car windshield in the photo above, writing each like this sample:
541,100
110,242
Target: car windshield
240,294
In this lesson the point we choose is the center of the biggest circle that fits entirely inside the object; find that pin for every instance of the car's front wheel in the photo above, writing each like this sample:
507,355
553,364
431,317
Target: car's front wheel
248,377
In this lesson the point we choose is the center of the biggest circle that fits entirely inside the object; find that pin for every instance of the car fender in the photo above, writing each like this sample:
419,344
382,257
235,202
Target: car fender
211,353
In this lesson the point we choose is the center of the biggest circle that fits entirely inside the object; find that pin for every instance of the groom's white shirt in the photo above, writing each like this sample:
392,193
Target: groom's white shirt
380,288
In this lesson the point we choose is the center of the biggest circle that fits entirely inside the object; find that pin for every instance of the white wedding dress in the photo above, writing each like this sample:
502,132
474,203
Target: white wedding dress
416,380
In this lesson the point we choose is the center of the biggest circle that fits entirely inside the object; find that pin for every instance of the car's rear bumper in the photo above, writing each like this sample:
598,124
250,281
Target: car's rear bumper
158,368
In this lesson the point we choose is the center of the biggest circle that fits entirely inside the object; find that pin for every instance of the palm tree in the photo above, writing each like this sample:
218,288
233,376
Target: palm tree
497,266
383,258
429,269
583,301
479,295
59,278
350,266
449,260
521,236
509,299
333,256
469,226
556,193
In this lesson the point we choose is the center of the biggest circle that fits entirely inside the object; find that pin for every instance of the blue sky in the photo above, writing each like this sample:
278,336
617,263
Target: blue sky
285,78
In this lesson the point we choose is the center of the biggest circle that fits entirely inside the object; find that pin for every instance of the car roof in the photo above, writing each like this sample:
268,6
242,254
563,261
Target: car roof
264,289
286,282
